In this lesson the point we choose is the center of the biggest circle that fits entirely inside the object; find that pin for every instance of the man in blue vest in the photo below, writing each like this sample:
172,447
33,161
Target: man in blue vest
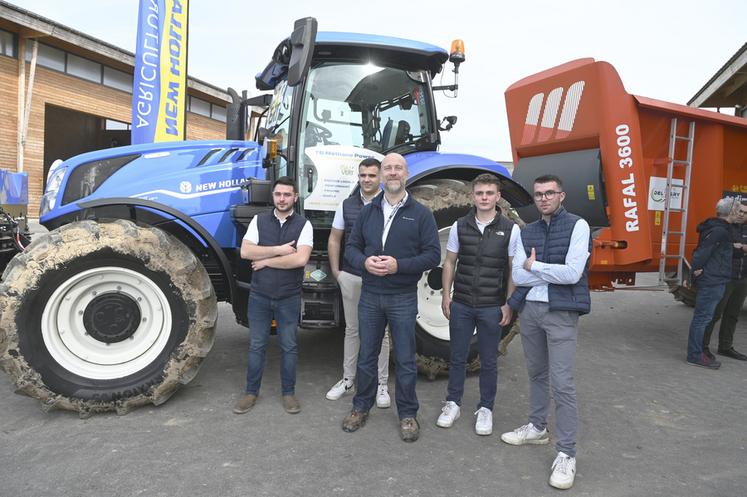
279,244
483,242
393,241
349,280
552,291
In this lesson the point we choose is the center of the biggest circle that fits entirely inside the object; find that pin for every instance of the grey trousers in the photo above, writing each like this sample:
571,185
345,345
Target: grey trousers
350,288
549,341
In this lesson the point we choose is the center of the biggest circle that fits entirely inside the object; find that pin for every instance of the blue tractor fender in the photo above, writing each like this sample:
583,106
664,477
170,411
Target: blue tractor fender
187,230
436,165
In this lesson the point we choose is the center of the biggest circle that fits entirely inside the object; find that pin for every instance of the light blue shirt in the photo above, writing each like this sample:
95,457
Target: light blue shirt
542,274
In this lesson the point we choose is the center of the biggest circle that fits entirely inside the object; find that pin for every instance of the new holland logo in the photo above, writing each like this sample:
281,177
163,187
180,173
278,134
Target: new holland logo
551,106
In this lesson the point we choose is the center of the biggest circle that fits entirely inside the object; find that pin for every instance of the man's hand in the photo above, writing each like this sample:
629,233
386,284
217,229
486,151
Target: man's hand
375,266
390,263
287,248
530,260
697,272
446,305
262,263
506,312
336,274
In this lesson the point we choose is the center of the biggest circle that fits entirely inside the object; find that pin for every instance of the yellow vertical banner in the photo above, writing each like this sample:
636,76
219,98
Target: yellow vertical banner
171,124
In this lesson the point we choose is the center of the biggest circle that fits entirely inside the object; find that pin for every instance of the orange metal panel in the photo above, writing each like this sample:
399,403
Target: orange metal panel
583,104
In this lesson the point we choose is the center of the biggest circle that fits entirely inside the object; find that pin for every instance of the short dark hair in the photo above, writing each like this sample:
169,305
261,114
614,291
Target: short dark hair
285,180
487,179
549,178
370,162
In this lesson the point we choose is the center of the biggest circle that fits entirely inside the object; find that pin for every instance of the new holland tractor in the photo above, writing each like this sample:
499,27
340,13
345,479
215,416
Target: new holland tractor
116,306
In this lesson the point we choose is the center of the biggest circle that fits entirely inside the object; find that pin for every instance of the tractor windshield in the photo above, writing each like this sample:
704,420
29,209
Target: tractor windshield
354,111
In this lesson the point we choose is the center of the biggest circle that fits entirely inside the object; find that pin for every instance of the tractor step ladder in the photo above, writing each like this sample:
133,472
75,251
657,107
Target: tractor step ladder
672,164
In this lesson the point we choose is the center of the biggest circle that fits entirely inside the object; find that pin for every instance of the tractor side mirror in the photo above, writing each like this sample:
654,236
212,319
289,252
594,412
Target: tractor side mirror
447,123
302,48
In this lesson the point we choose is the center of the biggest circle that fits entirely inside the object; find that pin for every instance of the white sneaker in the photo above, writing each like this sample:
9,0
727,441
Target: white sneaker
382,397
339,389
449,413
563,471
484,422
526,434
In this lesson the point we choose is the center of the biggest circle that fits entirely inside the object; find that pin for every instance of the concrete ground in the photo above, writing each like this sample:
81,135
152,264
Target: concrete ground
649,425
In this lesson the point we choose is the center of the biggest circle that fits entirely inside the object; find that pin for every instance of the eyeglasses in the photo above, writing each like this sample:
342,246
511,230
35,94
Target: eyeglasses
549,195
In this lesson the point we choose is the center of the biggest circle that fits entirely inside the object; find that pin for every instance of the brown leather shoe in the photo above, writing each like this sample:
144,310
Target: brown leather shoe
356,419
409,429
245,403
291,404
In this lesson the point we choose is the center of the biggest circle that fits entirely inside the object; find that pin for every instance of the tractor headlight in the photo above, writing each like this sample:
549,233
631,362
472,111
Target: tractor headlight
54,180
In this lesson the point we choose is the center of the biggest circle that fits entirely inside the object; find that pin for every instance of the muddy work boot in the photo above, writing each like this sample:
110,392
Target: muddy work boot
245,403
353,421
409,429
291,404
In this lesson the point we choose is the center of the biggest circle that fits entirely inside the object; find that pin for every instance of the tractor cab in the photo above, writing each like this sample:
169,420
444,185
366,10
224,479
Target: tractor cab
362,96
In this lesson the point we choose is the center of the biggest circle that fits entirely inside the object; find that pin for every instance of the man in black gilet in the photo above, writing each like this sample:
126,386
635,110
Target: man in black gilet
483,242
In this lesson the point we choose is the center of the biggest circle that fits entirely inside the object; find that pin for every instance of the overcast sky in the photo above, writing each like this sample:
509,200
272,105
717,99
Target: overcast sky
662,49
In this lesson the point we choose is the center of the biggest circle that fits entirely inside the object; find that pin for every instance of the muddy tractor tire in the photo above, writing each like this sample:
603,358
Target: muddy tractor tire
104,316
449,200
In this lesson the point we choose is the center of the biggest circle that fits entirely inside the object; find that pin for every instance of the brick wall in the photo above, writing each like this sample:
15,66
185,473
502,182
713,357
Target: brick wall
52,87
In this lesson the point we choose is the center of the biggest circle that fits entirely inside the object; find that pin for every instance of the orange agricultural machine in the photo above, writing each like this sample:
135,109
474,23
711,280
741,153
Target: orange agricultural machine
643,172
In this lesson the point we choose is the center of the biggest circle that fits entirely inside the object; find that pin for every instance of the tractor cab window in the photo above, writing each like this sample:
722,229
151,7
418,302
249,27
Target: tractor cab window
350,112
278,122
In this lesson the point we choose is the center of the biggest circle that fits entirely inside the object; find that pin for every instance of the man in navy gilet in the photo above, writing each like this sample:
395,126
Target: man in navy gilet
482,243
393,241
349,280
551,276
279,244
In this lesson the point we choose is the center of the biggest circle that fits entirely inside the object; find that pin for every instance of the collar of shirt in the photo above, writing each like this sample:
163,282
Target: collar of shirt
282,220
385,202
368,201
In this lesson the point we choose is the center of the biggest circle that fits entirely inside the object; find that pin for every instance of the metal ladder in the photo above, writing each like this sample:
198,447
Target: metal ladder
673,162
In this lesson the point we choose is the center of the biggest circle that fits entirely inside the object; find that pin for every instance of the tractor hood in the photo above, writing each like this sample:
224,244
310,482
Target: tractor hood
179,174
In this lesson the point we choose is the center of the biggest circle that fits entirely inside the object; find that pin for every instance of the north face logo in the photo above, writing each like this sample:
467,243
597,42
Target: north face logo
549,117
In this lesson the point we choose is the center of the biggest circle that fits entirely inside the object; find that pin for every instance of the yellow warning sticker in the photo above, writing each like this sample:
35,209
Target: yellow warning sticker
657,218
591,192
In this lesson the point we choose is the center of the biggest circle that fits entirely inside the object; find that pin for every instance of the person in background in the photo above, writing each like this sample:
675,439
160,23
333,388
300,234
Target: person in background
711,270
734,295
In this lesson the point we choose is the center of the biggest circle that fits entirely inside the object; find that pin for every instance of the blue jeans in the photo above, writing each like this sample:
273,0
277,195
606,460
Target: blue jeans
706,300
374,312
286,312
464,320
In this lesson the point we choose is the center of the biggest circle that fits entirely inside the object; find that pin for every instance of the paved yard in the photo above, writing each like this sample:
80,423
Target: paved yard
649,425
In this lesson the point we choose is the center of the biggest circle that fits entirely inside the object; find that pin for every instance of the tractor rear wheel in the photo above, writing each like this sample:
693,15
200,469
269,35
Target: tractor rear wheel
449,199
104,317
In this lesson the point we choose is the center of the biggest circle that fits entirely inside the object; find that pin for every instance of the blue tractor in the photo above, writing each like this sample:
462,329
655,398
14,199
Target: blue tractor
116,306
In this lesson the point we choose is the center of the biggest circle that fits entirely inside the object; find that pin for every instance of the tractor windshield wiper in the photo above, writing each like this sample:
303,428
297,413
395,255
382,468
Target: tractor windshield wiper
421,142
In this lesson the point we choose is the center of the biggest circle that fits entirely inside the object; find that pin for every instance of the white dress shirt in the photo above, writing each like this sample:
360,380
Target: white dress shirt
305,238
543,273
